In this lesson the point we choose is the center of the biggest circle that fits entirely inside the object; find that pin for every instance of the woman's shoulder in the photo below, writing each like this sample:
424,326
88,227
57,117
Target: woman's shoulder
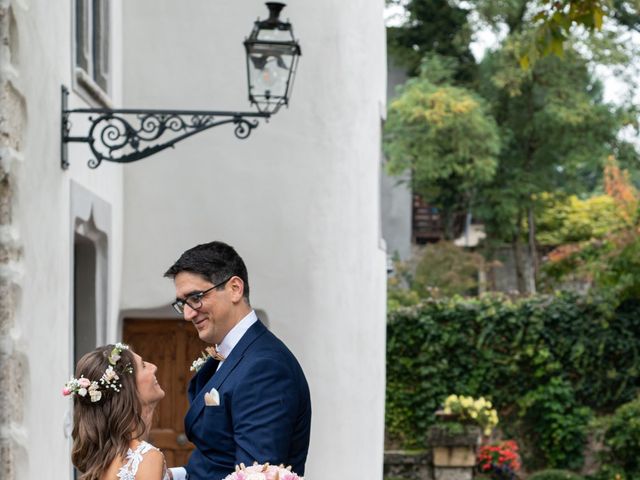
153,467
144,462
142,448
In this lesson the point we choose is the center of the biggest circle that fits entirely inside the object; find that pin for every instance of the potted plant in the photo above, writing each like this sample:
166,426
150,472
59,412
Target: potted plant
499,461
457,434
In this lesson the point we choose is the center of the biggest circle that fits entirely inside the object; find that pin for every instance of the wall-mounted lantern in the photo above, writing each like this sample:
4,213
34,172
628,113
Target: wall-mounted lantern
127,135
272,57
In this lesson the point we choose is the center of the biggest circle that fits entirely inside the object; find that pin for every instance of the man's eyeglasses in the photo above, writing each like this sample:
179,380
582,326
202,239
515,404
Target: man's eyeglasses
195,299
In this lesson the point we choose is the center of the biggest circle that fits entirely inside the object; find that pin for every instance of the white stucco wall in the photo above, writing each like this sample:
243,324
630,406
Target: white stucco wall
41,63
299,199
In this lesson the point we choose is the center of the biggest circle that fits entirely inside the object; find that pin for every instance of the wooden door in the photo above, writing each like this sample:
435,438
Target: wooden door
172,345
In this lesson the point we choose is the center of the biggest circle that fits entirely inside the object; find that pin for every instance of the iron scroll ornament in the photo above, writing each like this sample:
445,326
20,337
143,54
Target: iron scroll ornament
128,135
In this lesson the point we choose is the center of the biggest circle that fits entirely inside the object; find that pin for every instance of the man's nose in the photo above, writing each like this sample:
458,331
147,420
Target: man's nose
189,313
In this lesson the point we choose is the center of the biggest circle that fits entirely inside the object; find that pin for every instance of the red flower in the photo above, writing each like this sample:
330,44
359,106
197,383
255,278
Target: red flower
502,455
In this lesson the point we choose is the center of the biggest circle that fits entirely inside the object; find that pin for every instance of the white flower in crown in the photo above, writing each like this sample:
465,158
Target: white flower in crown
109,375
94,392
115,354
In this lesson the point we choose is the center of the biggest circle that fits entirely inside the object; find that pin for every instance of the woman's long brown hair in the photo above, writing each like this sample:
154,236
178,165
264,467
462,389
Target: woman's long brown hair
103,430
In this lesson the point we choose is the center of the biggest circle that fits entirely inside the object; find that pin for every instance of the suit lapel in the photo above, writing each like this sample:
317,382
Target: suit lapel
201,378
215,381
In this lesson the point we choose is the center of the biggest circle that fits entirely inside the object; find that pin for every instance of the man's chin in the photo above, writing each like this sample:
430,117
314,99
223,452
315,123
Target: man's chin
206,337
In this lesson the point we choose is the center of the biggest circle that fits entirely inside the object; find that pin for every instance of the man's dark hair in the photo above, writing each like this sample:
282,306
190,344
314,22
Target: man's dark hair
215,261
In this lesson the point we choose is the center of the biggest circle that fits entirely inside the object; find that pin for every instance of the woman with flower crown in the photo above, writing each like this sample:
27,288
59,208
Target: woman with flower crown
114,394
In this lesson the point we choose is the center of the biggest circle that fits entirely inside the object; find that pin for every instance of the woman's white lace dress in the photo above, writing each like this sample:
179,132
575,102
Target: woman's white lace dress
134,459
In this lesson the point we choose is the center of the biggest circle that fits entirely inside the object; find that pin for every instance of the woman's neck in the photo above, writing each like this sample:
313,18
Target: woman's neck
147,417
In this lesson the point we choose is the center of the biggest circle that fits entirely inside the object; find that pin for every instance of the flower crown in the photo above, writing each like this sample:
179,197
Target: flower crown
109,379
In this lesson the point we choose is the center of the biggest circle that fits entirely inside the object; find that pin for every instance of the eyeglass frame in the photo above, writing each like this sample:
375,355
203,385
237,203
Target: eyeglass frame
179,304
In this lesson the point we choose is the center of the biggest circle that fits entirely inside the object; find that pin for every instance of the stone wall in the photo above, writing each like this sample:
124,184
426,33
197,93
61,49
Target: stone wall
13,364
407,465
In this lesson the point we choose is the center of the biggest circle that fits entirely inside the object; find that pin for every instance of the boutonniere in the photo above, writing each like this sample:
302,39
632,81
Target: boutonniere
210,352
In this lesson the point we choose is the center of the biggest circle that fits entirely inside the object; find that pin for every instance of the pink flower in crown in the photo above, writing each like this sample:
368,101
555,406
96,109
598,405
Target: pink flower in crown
66,391
84,382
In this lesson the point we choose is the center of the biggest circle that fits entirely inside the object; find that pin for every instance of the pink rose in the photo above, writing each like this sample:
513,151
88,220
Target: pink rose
84,382
66,391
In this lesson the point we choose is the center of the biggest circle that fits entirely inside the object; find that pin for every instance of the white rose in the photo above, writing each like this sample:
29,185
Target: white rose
110,375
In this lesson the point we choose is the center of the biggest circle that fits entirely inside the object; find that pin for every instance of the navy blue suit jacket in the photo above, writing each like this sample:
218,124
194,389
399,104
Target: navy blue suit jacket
264,413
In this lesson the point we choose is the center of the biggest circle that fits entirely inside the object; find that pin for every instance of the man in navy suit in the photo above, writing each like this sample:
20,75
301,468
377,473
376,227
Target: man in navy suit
250,400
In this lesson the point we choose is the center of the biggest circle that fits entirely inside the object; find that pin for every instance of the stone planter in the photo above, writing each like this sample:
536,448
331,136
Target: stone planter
454,453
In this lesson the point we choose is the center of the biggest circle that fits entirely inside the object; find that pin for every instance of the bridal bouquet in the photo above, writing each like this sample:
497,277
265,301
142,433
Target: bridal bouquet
262,472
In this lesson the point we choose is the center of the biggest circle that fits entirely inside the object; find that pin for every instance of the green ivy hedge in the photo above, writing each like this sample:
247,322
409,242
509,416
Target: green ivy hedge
547,362
621,439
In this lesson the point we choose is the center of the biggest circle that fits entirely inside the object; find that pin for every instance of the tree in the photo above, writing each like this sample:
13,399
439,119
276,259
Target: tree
608,259
558,132
541,129
445,136
550,23
433,27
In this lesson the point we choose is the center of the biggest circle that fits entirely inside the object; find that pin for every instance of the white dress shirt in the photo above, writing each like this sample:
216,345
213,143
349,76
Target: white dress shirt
232,338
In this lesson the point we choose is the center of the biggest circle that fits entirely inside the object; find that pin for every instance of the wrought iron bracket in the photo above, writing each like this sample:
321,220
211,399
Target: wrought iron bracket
128,135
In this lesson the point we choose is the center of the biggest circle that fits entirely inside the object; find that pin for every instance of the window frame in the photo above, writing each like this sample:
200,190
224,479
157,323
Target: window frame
91,51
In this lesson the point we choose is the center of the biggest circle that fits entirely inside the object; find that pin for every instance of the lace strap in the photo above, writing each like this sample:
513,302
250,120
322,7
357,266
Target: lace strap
134,457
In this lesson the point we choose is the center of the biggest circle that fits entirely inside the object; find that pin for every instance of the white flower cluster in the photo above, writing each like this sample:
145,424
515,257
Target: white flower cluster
198,363
210,352
117,352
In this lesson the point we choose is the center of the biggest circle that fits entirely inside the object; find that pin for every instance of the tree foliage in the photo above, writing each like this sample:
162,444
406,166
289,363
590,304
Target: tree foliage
607,259
441,270
433,27
621,437
569,220
563,220
530,131
445,136
550,24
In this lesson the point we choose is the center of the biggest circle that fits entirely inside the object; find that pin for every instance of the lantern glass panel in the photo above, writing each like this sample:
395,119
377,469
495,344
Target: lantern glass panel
274,35
269,69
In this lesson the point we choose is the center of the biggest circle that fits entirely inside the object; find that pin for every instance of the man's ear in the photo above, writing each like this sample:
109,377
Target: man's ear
236,285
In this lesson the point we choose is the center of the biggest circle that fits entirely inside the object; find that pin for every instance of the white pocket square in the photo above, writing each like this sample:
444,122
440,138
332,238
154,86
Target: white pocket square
212,398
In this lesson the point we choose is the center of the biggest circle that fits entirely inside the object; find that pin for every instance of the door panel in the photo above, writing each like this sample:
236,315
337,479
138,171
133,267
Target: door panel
172,345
